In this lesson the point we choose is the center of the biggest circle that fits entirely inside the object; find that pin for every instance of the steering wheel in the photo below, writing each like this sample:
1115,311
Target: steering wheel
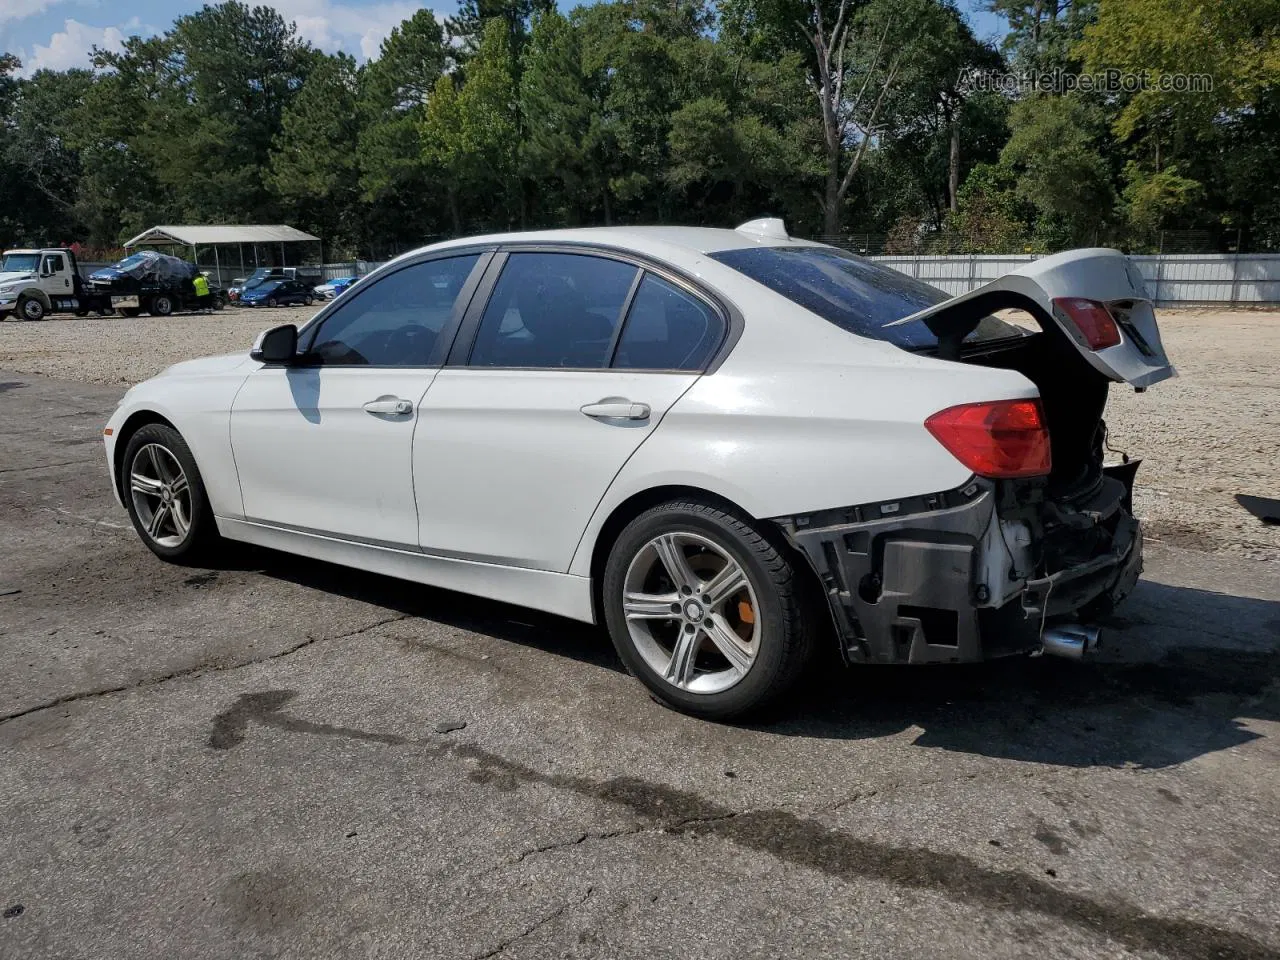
411,341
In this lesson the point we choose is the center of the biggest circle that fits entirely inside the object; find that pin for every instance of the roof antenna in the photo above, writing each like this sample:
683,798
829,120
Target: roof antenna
765,228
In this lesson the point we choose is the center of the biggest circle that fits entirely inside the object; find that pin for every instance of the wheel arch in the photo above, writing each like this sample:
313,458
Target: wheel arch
135,422
35,293
639,502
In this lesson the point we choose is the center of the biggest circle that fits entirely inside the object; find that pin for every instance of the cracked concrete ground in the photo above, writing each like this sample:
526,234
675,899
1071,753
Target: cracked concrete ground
243,762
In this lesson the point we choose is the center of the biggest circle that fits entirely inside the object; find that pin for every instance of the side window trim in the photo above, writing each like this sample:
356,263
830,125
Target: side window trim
624,314
465,336
447,334
731,321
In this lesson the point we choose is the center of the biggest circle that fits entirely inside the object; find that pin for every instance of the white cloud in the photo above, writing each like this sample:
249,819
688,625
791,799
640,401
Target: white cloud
21,9
359,30
71,46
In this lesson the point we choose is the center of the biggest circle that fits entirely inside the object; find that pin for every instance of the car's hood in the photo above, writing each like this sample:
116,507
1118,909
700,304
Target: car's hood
206,365
15,277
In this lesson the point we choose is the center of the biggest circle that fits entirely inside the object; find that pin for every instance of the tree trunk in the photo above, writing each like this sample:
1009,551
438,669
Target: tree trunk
831,198
608,207
455,213
953,170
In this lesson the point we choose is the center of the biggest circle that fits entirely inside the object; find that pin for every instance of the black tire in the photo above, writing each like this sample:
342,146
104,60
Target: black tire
219,301
785,613
201,541
130,311
308,301
272,302
161,305
29,308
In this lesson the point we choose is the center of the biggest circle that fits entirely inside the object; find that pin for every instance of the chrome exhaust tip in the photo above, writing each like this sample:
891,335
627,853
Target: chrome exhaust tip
1072,640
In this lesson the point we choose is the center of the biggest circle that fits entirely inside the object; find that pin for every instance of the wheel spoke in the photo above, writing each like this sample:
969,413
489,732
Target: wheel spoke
180,522
145,485
727,642
724,584
160,472
157,520
671,553
650,606
178,484
683,656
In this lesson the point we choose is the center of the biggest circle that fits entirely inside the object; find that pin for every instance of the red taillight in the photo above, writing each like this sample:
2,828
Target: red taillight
1092,319
1002,438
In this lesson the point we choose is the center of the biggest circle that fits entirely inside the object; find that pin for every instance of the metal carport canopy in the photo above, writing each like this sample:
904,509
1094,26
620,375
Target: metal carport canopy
206,236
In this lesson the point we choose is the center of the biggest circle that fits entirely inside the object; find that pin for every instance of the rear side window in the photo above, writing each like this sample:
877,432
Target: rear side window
553,310
855,294
667,329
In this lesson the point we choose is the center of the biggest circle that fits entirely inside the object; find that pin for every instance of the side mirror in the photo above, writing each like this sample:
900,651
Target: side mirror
277,345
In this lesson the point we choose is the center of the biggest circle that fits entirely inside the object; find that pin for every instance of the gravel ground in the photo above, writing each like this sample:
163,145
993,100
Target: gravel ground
1206,436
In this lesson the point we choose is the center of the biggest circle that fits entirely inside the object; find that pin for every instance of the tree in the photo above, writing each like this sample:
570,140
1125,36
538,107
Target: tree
41,166
1053,153
315,155
394,91
469,134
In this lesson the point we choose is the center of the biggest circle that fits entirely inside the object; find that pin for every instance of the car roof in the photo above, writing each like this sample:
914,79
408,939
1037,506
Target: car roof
659,241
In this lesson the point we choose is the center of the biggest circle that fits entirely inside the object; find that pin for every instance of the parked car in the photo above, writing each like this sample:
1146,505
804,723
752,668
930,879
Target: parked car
727,446
331,288
276,293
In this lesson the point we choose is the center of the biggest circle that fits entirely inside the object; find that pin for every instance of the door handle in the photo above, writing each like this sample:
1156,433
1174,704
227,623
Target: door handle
389,406
616,408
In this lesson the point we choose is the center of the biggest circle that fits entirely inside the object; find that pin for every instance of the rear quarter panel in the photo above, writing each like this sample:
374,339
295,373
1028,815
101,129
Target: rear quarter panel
803,416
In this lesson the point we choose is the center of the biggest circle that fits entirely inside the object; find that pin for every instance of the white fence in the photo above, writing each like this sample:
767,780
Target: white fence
1179,279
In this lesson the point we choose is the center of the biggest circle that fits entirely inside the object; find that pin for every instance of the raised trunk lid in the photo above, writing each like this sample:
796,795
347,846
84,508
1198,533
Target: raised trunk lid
1098,274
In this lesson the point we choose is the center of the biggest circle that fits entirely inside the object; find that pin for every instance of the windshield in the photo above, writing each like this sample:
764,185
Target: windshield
128,263
266,287
855,294
20,263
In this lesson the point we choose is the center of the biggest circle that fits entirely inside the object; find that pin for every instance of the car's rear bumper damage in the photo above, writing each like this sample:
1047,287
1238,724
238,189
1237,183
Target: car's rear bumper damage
986,570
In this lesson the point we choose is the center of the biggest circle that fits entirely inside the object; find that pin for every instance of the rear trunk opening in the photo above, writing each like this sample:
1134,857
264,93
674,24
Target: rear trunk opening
1074,397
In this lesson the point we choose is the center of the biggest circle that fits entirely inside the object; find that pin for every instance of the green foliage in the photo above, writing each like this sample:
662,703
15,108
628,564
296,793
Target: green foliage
835,114
315,158
1054,154
469,134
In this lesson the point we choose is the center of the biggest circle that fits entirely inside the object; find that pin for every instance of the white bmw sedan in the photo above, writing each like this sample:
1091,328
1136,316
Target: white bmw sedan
730,447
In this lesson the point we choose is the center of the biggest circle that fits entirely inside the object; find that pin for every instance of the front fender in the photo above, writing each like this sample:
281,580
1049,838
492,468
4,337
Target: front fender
199,408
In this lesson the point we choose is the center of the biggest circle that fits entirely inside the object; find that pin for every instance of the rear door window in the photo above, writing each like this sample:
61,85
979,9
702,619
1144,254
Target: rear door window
552,310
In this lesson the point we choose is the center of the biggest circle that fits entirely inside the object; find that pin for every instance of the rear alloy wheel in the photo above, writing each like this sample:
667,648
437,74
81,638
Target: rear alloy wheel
29,308
161,306
307,301
165,495
272,302
706,611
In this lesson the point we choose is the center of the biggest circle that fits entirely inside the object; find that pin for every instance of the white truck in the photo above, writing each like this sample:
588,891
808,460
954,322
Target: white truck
37,282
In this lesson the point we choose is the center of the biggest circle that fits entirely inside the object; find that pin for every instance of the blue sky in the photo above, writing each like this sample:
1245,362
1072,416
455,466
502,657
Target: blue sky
59,33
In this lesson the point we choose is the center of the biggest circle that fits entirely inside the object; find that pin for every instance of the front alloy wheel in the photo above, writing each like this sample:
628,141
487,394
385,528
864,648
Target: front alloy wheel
690,612
165,495
161,495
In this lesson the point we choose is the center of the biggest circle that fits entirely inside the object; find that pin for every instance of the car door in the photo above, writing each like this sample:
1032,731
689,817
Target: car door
557,377
324,445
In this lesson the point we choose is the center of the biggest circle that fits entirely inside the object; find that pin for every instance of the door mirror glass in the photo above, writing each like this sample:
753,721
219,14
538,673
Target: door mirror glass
277,345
